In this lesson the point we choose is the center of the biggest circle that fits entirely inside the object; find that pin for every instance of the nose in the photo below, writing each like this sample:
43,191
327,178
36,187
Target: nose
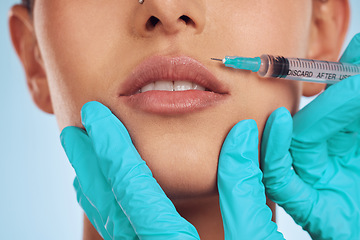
169,17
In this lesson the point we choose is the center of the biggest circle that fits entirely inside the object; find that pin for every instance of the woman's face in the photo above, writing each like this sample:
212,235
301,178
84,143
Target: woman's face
108,50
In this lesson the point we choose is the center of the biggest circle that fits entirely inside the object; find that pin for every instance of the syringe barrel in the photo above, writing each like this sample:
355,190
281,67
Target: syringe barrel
306,69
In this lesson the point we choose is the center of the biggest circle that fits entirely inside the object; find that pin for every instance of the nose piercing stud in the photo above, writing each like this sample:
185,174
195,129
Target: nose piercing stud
141,1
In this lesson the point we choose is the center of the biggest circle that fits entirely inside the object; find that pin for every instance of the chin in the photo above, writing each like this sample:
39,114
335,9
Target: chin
184,174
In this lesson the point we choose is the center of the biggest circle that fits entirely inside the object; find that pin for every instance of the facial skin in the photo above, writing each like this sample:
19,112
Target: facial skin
84,50
87,55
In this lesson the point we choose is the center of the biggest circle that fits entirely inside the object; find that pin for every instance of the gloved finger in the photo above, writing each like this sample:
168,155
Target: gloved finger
92,213
331,105
341,143
352,53
283,185
242,194
318,122
276,160
308,206
94,186
151,213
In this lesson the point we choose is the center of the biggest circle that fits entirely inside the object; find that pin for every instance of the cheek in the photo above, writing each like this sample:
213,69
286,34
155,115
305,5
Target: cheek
78,48
244,32
256,28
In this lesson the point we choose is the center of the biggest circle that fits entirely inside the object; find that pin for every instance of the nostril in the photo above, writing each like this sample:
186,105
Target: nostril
186,19
151,23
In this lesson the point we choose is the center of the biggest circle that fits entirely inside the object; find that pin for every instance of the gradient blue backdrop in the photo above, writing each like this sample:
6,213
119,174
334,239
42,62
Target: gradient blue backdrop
37,200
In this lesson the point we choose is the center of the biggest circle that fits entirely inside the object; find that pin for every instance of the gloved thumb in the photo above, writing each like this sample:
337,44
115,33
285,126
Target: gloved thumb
242,194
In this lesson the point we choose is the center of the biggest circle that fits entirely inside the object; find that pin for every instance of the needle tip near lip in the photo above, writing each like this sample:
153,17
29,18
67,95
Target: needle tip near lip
216,59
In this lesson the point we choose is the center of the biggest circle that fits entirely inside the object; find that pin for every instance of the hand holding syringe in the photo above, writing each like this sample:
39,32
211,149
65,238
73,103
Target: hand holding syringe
294,68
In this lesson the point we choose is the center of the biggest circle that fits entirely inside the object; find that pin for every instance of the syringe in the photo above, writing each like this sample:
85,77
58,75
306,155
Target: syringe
294,68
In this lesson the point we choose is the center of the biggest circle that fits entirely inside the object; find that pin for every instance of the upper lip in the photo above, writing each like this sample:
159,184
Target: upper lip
163,68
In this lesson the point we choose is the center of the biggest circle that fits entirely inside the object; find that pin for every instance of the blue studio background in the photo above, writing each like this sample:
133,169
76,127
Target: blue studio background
37,200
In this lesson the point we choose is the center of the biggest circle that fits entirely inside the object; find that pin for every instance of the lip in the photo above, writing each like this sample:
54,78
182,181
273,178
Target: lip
164,68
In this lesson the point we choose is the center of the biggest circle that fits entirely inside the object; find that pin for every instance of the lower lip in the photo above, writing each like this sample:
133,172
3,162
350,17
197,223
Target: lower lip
177,102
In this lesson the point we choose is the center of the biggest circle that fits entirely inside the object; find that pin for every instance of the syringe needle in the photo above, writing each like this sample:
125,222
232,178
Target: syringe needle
298,69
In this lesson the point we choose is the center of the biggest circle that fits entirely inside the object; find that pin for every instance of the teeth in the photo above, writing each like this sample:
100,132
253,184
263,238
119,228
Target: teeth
171,86
148,87
182,86
164,86
198,87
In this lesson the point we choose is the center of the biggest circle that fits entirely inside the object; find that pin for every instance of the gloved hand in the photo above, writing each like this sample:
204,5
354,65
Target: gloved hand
313,170
123,201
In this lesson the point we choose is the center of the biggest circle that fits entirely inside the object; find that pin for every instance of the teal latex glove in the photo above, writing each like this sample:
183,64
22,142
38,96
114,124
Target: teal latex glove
123,201
311,164
242,194
114,186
